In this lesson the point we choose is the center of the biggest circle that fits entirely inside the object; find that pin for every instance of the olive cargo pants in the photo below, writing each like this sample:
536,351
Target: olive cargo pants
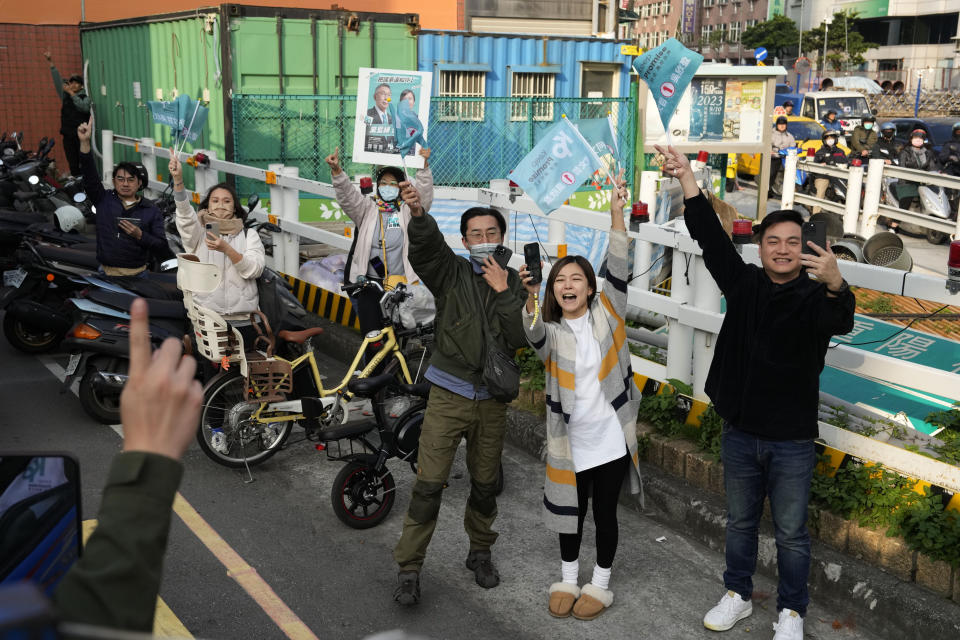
450,417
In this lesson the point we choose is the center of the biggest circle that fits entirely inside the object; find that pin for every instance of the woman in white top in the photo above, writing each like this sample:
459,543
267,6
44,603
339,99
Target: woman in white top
237,251
591,411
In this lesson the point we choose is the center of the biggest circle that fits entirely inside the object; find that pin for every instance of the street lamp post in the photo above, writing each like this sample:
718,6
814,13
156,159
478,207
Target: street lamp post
826,33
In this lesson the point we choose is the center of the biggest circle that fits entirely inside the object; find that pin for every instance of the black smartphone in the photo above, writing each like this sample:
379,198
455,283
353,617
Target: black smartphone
377,263
502,256
134,221
815,231
531,255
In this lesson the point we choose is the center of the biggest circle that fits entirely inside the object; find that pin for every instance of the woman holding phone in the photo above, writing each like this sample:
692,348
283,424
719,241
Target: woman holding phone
216,235
591,410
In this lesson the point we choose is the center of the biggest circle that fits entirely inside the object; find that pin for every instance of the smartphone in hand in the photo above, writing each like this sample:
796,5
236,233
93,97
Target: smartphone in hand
814,231
531,255
213,227
501,256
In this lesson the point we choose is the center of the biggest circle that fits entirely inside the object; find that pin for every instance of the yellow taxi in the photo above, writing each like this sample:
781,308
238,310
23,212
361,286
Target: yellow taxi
806,131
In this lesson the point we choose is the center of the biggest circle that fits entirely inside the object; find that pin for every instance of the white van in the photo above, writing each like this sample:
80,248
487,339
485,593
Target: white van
851,107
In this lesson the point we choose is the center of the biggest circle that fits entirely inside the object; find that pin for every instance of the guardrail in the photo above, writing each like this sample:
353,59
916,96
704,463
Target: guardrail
860,214
692,310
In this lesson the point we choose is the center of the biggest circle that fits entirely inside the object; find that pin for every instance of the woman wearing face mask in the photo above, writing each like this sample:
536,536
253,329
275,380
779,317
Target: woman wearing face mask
380,237
237,251
916,155
828,153
591,411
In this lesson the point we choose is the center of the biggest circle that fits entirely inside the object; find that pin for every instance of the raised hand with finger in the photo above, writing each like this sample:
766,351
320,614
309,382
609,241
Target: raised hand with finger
333,161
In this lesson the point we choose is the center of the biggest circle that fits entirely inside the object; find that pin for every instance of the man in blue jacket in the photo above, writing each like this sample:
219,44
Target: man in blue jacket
765,383
129,226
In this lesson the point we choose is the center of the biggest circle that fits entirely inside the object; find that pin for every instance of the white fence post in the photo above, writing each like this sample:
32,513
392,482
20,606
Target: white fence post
204,176
291,212
871,198
706,297
854,186
276,209
149,161
643,250
680,336
106,150
789,187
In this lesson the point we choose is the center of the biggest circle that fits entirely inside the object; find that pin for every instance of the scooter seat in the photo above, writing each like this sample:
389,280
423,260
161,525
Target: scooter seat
148,287
169,309
74,257
350,429
368,387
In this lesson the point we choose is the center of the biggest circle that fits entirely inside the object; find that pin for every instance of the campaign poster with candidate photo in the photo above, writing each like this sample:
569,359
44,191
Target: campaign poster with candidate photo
383,95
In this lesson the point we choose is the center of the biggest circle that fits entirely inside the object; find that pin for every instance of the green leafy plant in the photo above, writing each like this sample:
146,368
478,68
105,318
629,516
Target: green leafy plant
710,432
532,373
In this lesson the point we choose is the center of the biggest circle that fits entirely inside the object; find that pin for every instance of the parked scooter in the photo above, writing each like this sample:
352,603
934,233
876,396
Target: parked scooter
930,201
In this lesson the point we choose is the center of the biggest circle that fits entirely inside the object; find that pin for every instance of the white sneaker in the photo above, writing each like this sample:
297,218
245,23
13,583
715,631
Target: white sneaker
789,627
729,611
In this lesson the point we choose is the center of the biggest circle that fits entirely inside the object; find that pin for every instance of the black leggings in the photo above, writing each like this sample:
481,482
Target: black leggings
603,483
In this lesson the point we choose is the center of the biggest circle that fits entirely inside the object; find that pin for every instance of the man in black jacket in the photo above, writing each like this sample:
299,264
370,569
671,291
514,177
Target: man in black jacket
129,227
764,383
74,110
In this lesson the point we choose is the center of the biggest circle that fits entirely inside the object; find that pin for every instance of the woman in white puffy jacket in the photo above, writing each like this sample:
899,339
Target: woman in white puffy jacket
237,251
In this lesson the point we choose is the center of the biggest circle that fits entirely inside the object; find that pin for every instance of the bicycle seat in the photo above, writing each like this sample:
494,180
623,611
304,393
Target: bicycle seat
368,387
299,337
350,429
421,389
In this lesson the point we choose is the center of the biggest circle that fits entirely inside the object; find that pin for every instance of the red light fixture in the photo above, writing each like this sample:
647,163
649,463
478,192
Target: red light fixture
366,185
639,214
703,156
742,231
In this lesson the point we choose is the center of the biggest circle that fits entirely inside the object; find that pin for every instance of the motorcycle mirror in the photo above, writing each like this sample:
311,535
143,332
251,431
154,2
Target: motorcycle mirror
79,197
33,180
1,163
40,524
252,202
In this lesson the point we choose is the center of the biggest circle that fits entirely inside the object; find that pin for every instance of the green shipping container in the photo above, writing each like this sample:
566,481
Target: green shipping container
217,52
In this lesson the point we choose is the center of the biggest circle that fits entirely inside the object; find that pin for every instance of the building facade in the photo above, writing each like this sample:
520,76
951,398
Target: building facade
721,24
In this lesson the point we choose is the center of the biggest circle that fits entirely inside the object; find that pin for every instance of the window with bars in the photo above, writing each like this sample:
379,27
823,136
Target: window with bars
734,31
708,3
705,31
655,9
532,85
470,84
665,7
751,23
645,11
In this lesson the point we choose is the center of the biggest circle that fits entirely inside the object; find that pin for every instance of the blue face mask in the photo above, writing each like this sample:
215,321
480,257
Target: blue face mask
389,192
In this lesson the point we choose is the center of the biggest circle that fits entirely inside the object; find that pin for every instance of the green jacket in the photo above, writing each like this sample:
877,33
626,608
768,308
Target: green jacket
458,330
116,582
862,139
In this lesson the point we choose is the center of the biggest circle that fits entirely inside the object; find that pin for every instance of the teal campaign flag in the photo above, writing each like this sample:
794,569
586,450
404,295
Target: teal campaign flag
556,166
667,70
600,135
409,128
184,116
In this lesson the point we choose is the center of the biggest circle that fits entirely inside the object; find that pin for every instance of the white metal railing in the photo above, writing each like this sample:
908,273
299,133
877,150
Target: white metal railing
860,214
692,309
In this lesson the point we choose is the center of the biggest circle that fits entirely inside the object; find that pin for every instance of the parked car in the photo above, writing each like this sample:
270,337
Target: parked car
785,92
939,129
851,107
808,134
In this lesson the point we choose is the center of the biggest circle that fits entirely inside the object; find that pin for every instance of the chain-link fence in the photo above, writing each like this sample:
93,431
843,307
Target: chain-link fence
472,140
930,103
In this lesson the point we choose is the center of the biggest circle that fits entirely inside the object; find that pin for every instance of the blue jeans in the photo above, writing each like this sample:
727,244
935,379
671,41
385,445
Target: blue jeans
781,469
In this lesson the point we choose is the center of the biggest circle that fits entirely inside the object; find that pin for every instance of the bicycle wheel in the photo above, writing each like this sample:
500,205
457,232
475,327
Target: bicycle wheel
360,499
227,434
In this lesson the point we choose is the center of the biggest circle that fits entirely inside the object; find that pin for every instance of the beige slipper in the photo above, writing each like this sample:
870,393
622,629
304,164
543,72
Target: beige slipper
592,602
562,597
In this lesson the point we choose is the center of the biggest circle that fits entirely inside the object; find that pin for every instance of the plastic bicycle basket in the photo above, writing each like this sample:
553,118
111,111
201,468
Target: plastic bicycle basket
196,276
268,379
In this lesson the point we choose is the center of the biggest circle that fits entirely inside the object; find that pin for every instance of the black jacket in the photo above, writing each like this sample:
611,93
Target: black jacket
765,374
886,149
950,153
922,158
114,247
830,155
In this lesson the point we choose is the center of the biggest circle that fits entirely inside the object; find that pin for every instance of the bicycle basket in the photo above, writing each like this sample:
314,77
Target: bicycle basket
268,379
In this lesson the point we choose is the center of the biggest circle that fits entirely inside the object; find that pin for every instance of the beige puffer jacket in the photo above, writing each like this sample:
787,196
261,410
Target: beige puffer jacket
237,294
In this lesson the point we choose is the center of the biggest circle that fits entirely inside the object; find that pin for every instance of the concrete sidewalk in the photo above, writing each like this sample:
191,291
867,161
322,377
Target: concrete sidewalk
668,570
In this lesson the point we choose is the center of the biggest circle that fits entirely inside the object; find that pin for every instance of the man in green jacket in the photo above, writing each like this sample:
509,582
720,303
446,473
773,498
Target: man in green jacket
468,292
864,138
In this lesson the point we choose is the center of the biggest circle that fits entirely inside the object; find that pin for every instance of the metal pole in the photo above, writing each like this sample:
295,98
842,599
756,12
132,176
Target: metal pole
149,161
871,198
707,297
826,34
854,186
916,104
680,336
291,212
106,149
276,209
789,180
